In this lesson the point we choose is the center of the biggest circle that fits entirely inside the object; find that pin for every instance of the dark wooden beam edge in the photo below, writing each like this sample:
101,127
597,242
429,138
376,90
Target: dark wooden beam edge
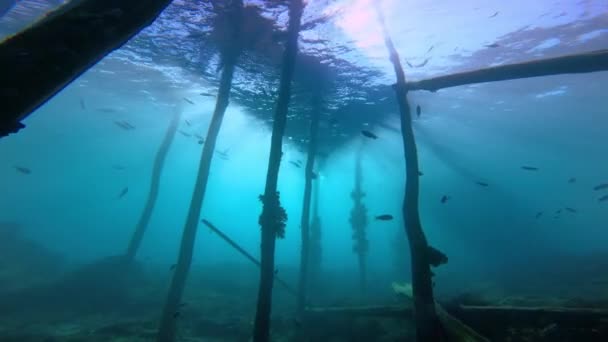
40,61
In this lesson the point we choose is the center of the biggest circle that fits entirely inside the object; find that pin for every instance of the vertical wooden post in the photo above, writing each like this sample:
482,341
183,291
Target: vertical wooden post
316,251
305,221
157,169
230,55
428,327
358,221
273,217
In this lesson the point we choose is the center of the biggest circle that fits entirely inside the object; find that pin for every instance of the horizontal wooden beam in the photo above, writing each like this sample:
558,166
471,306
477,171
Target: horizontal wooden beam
570,64
489,316
378,311
38,62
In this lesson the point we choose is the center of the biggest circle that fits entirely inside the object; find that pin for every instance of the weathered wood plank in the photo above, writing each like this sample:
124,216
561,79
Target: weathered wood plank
570,64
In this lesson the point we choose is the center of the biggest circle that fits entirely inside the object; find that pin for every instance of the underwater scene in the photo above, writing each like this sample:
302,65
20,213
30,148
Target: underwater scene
303,170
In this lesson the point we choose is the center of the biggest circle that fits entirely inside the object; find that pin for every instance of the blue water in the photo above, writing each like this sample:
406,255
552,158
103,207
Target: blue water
80,161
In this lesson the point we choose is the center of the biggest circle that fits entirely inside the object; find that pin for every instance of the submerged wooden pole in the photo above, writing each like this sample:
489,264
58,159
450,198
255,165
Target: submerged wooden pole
167,328
273,217
38,62
305,221
247,254
157,169
230,55
358,222
570,64
428,326
315,250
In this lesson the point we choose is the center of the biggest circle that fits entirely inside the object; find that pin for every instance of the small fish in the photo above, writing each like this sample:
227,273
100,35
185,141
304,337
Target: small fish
430,49
493,45
206,94
121,125
445,198
369,134
176,314
572,180
529,168
420,173
108,110
295,164
558,211
603,198
124,125
188,123
314,175
124,191
82,106
276,271
418,110
184,133
223,153
172,267
422,64
24,170
539,214
384,217
188,100
601,186
409,64
181,305
572,210
548,329
118,167
128,125
493,15
201,141
484,184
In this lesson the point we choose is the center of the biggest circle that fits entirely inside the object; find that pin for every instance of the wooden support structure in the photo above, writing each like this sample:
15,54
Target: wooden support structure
157,169
455,329
528,315
247,255
360,311
571,64
428,326
358,222
230,53
305,221
273,217
40,61
316,249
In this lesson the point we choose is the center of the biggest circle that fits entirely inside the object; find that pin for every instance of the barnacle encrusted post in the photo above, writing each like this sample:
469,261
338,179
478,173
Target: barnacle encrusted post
273,214
273,217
